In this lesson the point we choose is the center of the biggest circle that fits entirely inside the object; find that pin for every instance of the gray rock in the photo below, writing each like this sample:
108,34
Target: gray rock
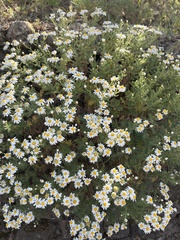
4,232
172,231
64,230
32,232
2,55
2,39
19,30
121,234
57,229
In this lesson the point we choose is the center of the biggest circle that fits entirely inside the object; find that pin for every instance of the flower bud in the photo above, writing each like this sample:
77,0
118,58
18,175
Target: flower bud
116,189
113,195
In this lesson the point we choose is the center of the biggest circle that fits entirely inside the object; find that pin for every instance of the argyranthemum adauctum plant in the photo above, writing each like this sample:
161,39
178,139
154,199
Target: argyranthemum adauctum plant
89,126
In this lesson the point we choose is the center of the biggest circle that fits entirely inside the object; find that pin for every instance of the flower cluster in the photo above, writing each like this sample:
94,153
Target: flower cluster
110,187
85,123
160,217
142,124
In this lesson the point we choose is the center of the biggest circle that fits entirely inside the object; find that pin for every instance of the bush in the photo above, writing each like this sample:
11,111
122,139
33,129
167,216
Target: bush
89,126
164,13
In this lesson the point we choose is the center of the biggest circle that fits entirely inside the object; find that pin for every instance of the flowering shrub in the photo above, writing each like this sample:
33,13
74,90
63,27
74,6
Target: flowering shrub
89,126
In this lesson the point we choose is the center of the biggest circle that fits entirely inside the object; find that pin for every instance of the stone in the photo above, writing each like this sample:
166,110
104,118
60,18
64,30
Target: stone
4,232
64,230
2,55
19,30
172,229
33,232
54,229
121,234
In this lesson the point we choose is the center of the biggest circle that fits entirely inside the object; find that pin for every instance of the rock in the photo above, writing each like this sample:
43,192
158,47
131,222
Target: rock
137,234
64,230
172,230
161,238
170,44
21,234
3,230
35,232
122,234
2,55
19,30
54,229
153,235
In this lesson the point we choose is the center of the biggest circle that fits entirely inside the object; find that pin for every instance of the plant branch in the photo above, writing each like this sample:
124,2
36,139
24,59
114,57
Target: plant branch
3,4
